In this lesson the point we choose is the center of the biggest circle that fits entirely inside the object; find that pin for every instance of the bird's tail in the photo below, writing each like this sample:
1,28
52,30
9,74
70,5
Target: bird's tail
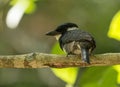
85,55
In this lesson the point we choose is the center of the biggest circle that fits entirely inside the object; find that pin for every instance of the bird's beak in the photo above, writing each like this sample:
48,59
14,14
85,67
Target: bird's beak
52,33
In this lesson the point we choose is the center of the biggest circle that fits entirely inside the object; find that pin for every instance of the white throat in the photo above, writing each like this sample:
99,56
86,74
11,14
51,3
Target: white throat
72,28
57,36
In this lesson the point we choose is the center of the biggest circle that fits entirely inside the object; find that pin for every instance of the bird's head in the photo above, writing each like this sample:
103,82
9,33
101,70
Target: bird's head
62,29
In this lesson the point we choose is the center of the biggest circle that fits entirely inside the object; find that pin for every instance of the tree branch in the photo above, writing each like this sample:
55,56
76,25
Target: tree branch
41,60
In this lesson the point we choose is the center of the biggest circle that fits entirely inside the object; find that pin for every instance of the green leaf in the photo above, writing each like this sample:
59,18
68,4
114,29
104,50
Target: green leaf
31,6
68,75
99,77
57,50
114,30
117,68
109,78
91,76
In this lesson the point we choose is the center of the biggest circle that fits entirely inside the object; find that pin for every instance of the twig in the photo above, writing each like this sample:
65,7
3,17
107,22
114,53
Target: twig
41,60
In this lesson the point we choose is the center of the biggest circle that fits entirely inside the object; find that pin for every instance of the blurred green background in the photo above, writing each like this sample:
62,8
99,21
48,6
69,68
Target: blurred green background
42,16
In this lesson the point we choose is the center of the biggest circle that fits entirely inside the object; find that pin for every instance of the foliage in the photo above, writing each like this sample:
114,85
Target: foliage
31,6
99,77
89,14
117,68
66,74
114,31
91,77
18,9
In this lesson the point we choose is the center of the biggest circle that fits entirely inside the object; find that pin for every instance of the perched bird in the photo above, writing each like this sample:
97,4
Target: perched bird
74,41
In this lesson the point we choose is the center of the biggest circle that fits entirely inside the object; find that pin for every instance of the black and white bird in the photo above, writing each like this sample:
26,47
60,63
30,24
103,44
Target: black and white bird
74,41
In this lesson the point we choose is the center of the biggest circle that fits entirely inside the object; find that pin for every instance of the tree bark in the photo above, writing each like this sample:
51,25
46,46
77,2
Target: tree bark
41,60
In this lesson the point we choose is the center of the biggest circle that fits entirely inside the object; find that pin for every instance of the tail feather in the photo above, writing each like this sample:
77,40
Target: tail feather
85,55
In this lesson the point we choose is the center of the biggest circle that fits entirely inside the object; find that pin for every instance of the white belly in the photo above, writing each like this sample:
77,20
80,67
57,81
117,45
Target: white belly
72,47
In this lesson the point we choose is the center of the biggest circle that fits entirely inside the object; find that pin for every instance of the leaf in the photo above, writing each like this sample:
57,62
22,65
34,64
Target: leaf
17,11
114,30
56,49
91,76
99,77
109,78
68,75
117,68
31,6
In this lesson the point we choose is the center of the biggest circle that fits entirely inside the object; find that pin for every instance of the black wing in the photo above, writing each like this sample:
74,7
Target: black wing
76,35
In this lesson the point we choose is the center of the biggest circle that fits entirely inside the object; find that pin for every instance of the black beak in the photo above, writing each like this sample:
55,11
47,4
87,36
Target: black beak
52,33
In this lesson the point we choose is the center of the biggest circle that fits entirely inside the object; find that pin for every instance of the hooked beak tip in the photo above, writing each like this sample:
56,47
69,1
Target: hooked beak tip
49,34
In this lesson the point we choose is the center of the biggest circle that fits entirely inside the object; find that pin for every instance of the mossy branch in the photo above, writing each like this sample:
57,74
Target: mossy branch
41,60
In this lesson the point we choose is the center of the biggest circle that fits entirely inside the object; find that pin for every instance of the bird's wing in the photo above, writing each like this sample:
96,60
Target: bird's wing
76,35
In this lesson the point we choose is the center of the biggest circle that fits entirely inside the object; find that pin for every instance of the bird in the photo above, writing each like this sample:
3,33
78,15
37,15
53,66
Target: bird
74,41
